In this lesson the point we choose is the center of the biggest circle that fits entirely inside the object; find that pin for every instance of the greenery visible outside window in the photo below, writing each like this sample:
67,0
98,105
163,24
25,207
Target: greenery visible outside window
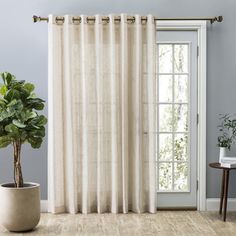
173,120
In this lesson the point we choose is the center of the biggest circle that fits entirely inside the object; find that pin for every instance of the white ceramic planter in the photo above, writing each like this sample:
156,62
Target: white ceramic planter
19,207
222,153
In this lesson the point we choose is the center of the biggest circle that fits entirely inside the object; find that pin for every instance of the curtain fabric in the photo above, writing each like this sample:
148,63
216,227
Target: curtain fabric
102,115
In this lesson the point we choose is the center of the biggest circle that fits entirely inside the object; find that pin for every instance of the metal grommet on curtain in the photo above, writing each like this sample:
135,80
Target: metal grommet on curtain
76,20
133,19
88,20
56,19
59,20
107,19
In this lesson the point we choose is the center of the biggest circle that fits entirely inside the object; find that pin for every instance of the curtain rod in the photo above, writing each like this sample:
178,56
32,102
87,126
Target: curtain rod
132,18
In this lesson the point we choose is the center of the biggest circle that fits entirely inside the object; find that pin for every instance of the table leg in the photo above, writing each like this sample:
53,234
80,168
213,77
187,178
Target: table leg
226,192
222,191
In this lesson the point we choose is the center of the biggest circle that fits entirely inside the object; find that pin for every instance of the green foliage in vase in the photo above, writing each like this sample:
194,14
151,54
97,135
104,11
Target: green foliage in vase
227,128
19,119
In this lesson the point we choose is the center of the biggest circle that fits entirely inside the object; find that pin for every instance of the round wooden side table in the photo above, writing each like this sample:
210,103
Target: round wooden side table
224,186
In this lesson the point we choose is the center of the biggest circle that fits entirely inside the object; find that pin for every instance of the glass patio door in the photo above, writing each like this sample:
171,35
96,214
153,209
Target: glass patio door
177,119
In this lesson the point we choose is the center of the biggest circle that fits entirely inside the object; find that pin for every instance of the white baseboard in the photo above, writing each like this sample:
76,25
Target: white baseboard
213,204
44,206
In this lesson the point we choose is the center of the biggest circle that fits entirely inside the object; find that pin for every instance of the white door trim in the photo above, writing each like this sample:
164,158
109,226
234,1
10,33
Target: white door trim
200,27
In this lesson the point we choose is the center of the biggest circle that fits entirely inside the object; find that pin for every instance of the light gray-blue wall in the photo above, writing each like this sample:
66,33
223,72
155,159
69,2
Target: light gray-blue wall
23,51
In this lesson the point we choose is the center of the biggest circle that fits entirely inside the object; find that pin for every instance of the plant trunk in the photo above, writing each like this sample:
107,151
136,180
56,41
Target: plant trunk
18,177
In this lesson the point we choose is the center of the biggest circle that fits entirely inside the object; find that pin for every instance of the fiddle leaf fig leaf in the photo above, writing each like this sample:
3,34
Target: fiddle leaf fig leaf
30,115
5,141
39,106
40,133
35,142
7,78
3,90
18,123
13,131
35,103
7,113
12,94
2,103
11,128
42,121
12,103
32,95
29,87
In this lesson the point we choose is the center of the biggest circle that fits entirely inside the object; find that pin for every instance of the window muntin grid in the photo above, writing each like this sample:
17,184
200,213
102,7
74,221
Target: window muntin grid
173,136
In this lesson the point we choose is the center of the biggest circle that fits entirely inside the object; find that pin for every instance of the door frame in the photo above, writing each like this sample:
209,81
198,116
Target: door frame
201,28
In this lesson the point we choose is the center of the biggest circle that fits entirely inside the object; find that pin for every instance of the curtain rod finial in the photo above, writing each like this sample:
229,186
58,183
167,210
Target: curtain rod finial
217,19
220,18
36,19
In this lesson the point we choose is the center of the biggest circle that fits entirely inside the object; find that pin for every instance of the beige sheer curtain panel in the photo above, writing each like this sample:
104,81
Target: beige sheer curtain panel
102,115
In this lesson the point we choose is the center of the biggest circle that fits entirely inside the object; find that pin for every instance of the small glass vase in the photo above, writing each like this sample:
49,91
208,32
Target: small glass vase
222,153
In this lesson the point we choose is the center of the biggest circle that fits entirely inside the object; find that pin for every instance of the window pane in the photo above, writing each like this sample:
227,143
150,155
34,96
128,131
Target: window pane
165,147
165,118
165,88
165,176
181,58
180,123
173,148
181,88
180,147
181,176
165,58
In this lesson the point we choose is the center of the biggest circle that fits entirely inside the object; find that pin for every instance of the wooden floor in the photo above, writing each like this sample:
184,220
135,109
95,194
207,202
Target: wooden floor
162,223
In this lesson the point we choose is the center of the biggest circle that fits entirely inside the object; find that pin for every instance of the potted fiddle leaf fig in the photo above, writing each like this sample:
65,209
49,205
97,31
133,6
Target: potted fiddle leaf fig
20,123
